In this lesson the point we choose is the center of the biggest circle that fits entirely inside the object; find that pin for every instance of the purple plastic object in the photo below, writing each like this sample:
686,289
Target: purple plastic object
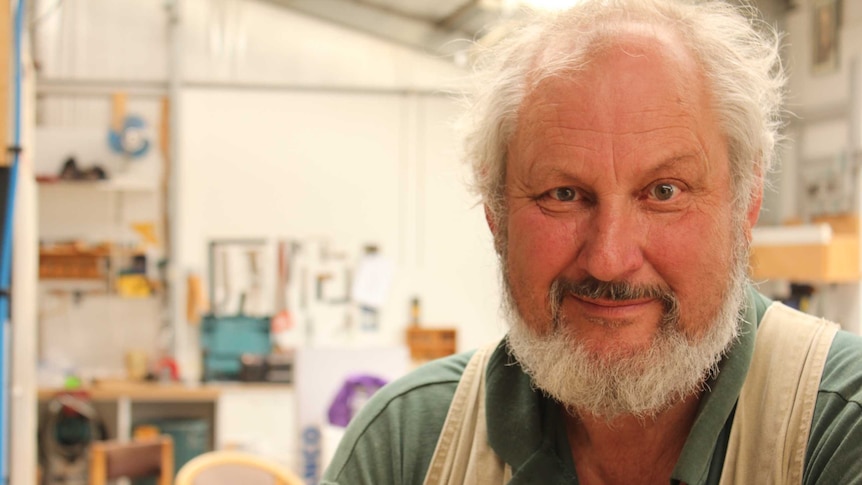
351,396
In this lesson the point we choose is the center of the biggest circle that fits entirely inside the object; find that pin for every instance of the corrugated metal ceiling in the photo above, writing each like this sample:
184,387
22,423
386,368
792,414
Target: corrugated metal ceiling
439,27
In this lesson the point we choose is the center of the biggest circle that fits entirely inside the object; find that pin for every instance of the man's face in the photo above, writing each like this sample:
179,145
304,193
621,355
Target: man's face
619,174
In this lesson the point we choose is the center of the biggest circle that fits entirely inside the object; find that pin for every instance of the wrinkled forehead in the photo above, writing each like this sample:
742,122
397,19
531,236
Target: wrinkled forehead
640,83
640,66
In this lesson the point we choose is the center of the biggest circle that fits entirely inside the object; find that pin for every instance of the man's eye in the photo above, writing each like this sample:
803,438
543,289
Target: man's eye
664,191
563,194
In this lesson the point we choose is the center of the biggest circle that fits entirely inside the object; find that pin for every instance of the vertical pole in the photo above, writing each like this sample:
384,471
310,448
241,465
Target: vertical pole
176,257
8,192
5,78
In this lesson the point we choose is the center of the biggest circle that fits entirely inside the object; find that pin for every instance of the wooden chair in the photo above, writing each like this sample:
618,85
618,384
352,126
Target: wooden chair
231,467
153,457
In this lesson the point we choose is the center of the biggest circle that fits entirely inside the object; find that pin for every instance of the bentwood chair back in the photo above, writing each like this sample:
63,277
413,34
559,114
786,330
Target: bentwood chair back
227,467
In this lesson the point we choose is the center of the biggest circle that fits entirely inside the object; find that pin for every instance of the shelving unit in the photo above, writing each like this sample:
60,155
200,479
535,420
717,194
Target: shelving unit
824,252
96,185
111,230
103,244
824,195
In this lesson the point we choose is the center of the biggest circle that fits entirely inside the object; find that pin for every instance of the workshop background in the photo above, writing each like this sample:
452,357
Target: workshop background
235,219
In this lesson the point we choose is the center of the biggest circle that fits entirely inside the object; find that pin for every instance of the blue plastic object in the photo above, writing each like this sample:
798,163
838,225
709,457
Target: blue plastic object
9,193
131,139
225,339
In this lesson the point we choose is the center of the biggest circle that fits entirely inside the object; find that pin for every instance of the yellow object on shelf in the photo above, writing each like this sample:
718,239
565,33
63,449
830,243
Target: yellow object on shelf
824,252
147,231
133,286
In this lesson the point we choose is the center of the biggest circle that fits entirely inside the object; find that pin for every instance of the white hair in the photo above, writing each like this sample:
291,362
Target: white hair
738,53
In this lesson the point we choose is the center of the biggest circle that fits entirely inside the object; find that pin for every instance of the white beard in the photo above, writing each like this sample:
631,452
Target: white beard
642,383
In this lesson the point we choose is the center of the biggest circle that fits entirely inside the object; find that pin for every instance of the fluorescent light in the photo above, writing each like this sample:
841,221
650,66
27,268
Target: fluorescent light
510,6
549,4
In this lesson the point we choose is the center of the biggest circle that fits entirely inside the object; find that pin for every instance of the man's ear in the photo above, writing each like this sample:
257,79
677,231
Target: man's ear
494,227
492,223
754,207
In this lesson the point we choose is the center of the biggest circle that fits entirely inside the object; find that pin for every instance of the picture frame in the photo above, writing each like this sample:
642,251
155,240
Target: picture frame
825,40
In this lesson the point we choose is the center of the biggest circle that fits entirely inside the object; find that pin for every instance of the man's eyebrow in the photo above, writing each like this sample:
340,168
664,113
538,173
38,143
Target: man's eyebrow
557,172
686,162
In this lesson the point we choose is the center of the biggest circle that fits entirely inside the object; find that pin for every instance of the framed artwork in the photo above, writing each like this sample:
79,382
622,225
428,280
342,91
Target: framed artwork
825,35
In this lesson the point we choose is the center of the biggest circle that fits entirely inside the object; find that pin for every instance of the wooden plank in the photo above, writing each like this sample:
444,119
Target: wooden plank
841,223
98,464
5,78
143,392
168,465
119,101
836,262
158,392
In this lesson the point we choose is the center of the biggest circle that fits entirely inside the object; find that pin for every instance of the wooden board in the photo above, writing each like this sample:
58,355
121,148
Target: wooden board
835,262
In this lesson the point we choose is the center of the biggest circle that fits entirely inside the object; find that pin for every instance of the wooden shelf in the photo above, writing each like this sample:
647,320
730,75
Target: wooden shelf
109,185
826,252
157,392
835,262
74,261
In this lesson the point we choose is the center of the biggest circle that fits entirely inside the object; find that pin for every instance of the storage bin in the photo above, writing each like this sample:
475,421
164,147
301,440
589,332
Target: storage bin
225,339
190,435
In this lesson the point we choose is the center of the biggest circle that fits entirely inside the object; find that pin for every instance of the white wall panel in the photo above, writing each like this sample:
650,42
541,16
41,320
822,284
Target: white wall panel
92,334
293,164
458,267
101,39
260,421
355,168
258,42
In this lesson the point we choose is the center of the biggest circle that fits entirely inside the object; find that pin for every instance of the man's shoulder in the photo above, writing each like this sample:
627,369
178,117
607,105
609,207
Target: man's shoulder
842,374
429,375
835,440
432,384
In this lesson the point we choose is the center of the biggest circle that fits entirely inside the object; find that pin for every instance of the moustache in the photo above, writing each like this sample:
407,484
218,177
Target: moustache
594,289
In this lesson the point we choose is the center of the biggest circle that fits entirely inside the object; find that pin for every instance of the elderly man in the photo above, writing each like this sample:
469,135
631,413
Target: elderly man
620,149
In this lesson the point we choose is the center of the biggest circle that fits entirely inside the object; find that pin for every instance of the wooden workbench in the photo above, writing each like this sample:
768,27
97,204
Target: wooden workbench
140,392
154,391
122,403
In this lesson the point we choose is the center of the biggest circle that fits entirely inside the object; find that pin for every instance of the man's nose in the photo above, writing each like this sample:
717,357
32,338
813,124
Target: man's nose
610,243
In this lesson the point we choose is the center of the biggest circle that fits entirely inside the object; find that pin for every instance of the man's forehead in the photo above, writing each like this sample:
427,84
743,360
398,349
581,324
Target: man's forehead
572,52
641,94
636,79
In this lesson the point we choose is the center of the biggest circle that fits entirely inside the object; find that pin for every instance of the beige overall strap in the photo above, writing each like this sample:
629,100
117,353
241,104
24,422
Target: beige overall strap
770,431
463,455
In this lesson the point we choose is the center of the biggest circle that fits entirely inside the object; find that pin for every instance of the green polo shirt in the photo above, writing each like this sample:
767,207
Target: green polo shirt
392,440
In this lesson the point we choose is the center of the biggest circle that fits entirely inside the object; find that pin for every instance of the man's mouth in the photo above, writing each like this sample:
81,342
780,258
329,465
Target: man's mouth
614,303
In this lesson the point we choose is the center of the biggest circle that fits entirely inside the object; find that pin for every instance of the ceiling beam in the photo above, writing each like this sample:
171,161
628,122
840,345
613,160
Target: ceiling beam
432,36
455,18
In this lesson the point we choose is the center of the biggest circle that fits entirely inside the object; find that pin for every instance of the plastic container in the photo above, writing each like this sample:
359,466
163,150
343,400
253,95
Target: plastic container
225,339
190,435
